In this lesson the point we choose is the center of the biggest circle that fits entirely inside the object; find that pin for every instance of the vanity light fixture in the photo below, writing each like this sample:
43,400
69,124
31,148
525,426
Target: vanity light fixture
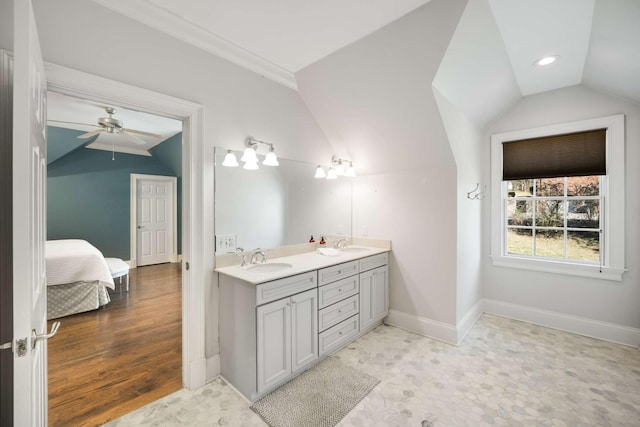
331,174
250,158
251,165
351,172
271,159
249,155
336,169
230,160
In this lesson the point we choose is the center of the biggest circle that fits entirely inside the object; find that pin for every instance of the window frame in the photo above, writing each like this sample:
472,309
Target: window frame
612,209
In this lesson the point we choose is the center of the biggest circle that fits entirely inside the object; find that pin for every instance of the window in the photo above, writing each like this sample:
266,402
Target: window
558,198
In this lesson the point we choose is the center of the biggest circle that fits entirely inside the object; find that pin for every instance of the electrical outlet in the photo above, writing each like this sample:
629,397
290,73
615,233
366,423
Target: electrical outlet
226,243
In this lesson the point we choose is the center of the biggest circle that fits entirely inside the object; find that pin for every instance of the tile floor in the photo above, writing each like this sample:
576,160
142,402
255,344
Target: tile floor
505,373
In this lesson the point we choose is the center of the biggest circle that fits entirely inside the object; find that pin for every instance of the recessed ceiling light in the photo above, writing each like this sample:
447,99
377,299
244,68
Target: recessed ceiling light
547,60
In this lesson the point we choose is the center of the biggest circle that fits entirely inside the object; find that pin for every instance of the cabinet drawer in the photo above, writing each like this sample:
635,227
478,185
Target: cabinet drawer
341,333
338,312
337,291
374,261
337,272
271,291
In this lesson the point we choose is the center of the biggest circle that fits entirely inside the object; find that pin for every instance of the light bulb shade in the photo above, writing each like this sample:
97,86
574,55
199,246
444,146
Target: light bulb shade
351,172
230,160
320,172
331,174
249,155
270,159
251,165
340,169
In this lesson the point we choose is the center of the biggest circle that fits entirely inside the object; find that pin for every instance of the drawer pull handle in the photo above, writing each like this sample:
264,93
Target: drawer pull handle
339,333
339,290
339,271
339,311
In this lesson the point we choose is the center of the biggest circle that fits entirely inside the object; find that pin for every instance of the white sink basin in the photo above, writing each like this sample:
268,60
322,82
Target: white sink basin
353,250
269,267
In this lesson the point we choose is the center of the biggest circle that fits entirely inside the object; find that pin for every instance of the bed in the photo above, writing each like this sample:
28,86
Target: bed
77,278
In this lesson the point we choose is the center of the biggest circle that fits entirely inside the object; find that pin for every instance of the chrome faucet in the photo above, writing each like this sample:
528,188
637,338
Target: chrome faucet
339,244
256,252
243,254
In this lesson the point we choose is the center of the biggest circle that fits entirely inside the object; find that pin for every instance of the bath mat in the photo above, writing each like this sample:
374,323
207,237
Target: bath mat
319,397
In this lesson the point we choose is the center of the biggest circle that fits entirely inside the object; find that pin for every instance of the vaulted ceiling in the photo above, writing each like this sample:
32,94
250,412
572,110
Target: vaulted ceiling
597,42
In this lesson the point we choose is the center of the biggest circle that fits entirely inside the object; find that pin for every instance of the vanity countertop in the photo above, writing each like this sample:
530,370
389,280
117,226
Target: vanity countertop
301,263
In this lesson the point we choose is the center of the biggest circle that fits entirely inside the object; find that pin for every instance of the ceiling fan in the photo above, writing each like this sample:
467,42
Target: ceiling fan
114,126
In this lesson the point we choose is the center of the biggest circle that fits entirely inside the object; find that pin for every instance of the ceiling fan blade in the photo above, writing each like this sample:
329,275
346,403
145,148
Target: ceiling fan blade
133,138
71,123
90,134
139,132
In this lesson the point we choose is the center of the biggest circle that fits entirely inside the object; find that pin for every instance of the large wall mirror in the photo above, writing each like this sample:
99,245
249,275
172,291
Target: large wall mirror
277,205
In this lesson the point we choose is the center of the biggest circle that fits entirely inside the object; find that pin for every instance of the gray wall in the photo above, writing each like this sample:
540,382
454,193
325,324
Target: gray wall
600,300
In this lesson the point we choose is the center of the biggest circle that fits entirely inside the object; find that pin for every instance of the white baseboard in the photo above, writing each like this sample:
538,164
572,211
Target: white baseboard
196,374
213,367
423,326
564,322
466,323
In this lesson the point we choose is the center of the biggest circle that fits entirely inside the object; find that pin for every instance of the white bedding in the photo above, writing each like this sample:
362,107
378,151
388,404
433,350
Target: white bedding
72,260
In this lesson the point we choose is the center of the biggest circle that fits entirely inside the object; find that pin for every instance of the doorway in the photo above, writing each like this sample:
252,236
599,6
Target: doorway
196,265
114,351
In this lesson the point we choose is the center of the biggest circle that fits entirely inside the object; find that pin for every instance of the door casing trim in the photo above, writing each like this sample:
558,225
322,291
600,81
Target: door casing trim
88,86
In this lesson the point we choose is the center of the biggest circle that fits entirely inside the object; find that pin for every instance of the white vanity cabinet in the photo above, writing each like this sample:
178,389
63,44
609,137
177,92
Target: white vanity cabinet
374,290
271,330
268,331
286,337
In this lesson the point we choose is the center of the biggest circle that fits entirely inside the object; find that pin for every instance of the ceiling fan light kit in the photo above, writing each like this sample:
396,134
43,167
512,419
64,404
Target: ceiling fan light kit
115,126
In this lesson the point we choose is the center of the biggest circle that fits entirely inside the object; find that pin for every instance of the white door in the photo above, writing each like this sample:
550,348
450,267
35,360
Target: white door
304,329
29,177
154,221
274,343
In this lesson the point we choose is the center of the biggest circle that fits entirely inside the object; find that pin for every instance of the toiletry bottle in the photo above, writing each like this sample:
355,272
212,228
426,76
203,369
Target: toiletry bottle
322,242
312,240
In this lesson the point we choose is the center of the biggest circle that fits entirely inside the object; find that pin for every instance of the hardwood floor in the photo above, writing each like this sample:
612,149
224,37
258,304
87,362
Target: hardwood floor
107,362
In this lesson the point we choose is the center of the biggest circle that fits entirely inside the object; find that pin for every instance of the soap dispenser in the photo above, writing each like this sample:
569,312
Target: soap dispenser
322,242
312,240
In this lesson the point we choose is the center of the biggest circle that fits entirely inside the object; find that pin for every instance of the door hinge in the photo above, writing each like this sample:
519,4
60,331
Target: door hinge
186,266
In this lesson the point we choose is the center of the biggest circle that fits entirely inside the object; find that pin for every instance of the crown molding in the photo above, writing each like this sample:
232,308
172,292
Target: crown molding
168,23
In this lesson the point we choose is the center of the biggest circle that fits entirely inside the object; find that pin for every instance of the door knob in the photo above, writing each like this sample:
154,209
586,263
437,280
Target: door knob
38,337
141,226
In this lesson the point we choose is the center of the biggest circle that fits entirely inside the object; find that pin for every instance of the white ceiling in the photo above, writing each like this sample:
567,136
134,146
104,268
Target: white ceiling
289,33
533,29
83,115
597,41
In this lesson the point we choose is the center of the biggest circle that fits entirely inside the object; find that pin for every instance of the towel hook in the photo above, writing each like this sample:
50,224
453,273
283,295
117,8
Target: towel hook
476,193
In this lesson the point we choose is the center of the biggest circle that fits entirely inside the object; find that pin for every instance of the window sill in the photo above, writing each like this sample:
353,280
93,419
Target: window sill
558,267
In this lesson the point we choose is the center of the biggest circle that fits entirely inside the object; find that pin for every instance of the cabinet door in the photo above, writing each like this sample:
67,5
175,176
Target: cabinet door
304,329
374,296
274,342
380,293
367,308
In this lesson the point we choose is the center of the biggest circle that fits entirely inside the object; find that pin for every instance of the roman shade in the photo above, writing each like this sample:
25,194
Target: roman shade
571,154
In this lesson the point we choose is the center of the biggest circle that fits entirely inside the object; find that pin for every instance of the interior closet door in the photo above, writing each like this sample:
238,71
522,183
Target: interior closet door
154,221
